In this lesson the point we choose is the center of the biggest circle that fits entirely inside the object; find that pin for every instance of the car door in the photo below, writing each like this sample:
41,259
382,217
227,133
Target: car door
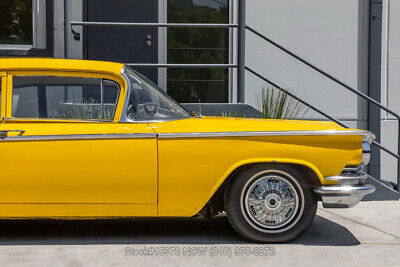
63,145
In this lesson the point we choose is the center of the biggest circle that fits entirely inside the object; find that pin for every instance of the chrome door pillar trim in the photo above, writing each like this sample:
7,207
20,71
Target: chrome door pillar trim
124,116
79,137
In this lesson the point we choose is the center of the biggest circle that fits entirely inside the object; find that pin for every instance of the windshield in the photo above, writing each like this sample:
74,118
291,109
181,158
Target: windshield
149,102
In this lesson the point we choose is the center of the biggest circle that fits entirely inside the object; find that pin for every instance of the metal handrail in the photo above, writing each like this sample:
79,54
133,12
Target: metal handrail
155,25
364,96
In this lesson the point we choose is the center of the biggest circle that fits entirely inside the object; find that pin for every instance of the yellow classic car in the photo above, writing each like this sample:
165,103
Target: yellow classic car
90,139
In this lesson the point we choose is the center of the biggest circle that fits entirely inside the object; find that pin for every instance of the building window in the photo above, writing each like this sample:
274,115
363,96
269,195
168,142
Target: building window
16,22
198,46
26,27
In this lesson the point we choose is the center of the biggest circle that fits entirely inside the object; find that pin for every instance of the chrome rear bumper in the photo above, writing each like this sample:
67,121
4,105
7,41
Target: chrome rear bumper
348,192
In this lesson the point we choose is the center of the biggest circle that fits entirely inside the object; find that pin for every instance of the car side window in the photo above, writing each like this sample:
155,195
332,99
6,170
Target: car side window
78,98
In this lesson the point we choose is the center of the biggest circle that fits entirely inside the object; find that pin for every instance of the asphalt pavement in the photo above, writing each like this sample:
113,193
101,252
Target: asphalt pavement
366,235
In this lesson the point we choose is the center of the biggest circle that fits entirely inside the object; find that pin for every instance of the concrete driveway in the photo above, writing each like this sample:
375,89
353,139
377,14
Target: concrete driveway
366,235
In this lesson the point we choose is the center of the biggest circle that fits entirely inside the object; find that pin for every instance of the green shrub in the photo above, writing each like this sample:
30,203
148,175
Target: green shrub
278,104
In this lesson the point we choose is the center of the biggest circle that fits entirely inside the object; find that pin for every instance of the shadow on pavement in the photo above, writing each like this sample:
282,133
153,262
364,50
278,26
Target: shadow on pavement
325,232
152,231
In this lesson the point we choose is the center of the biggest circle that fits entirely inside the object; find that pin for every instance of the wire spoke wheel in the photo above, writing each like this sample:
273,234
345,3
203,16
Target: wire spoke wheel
271,201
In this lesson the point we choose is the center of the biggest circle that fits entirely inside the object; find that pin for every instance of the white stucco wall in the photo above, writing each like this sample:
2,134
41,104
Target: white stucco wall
325,33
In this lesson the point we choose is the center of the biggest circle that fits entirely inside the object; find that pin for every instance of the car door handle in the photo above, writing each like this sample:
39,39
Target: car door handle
4,133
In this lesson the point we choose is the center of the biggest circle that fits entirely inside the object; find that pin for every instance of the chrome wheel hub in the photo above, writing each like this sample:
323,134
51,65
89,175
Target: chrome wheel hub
271,201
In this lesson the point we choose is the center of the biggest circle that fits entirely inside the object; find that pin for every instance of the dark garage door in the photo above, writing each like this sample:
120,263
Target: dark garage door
122,44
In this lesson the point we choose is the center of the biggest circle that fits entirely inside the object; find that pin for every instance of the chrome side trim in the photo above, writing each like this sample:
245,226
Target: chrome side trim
178,135
262,133
348,179
78,137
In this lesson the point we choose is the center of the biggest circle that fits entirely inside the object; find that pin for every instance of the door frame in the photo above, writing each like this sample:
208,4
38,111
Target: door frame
3,96
8,98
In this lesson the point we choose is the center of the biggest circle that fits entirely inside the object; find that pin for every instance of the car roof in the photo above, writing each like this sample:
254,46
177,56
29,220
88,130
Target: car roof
9,64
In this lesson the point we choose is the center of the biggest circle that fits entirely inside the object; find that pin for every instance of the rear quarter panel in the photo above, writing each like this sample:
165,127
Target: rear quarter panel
192,169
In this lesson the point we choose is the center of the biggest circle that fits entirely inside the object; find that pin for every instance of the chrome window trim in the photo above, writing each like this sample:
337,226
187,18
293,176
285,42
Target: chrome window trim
124,117
55,120
264,133
113,119
116,100
79,137
102,99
